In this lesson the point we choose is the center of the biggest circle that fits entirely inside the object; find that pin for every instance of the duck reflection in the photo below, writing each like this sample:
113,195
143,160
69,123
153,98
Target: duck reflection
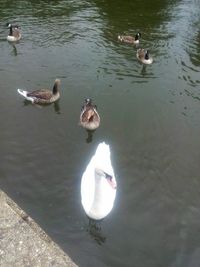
89,136
94,229
56,105
14,51
144,70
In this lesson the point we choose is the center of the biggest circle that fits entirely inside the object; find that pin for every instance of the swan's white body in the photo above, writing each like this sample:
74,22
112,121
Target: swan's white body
97,190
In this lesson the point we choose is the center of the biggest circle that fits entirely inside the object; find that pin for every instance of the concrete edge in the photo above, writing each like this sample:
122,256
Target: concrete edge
35,227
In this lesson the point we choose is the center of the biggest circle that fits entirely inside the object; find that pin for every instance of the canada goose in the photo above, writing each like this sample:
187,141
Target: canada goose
89,117
144,56
130,39
42,96
14,34
98,184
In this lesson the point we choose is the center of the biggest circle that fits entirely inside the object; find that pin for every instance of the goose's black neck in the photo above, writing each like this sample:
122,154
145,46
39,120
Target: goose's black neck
136,37
147,55
55,88
11,31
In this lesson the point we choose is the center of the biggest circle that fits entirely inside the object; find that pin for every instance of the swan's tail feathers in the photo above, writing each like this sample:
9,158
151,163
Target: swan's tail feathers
24,94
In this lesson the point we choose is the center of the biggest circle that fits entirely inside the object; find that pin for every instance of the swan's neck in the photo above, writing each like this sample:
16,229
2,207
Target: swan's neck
98,193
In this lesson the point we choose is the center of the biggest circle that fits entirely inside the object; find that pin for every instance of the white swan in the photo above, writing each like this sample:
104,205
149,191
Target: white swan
98,184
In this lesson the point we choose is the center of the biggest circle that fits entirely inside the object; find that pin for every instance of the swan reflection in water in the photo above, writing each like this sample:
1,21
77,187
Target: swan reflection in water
94,229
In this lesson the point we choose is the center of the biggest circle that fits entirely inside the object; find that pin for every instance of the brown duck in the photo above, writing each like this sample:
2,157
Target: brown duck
89,117
42,96
130,39
14,33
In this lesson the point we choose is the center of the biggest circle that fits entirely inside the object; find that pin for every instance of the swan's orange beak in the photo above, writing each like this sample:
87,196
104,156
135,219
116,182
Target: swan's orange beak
111,181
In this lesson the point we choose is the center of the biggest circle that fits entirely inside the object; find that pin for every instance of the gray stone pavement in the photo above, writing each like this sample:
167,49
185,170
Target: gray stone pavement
23,243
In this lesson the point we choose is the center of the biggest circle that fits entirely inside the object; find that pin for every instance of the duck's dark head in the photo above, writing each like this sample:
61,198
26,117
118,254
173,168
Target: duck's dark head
137,36
88,101
9,25
147,55
55,86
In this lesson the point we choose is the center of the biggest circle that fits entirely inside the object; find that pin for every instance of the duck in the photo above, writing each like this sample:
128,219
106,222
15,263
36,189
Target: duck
89,117
130,39
98,184
144,56
42,96
14,34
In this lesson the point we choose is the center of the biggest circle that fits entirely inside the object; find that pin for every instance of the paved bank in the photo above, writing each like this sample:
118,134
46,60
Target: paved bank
23,243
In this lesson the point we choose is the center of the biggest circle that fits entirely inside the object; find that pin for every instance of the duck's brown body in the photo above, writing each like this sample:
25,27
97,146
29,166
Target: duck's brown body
89,117
14,33
144,56
130,39
42,96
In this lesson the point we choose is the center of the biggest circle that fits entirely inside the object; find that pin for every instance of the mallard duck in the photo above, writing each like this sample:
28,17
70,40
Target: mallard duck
144,56
130,39
14,34
89,117
98,184
42,96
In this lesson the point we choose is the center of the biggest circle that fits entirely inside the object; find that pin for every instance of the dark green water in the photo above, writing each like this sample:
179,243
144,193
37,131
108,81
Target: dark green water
150,117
